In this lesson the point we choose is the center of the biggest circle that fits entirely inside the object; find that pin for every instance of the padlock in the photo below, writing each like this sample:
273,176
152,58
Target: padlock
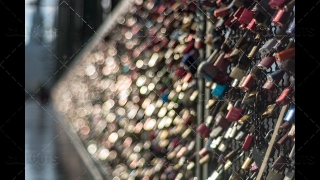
271,85
204,129
267,47
238,13
250,98
215,143
286,96
189,61
281,17
254,168
241,82
208,70
290,115
285,126
266,62
248,142
276,4
198,43
254,49
221,121
222,146
252,26
283,140
235,112
233,130
225,47
269,111
218,90
245,117
288,66
189,47
221,63
229,163
216,132
239,136
250,79
292,131
285,55
275,75
217,174
247,162
238,72
231,154
280,163
246,16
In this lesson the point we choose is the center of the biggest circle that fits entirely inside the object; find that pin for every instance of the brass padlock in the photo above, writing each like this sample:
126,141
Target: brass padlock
238,73
269,111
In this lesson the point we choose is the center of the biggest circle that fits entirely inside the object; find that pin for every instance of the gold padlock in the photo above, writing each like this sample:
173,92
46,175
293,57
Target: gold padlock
238,73
269,110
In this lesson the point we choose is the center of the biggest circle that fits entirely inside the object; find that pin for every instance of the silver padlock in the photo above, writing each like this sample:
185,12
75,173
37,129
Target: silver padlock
267,47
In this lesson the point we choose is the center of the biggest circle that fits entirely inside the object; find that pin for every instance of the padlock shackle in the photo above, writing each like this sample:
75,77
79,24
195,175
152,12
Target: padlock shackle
237,103
268,134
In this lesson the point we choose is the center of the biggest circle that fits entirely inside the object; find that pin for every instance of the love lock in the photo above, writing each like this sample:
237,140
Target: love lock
260,149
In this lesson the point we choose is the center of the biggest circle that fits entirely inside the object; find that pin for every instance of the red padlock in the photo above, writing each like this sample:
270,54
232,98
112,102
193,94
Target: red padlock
281,17
276,4
250,79
221,78
235,113
247,142
189,47
238,13
252,26
204,128
246,16
266,62
286,96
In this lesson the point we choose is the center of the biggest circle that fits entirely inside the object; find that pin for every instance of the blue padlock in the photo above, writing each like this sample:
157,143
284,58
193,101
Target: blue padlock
290,116
218,90
165,96
189,61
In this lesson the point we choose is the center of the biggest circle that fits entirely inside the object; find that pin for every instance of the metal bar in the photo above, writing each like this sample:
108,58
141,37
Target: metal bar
207,95
201,86
272,141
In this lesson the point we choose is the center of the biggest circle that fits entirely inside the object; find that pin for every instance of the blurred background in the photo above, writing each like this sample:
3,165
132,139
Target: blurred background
55,32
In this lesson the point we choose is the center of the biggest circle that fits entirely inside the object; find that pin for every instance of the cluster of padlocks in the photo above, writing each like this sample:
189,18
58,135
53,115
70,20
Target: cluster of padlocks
172,76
